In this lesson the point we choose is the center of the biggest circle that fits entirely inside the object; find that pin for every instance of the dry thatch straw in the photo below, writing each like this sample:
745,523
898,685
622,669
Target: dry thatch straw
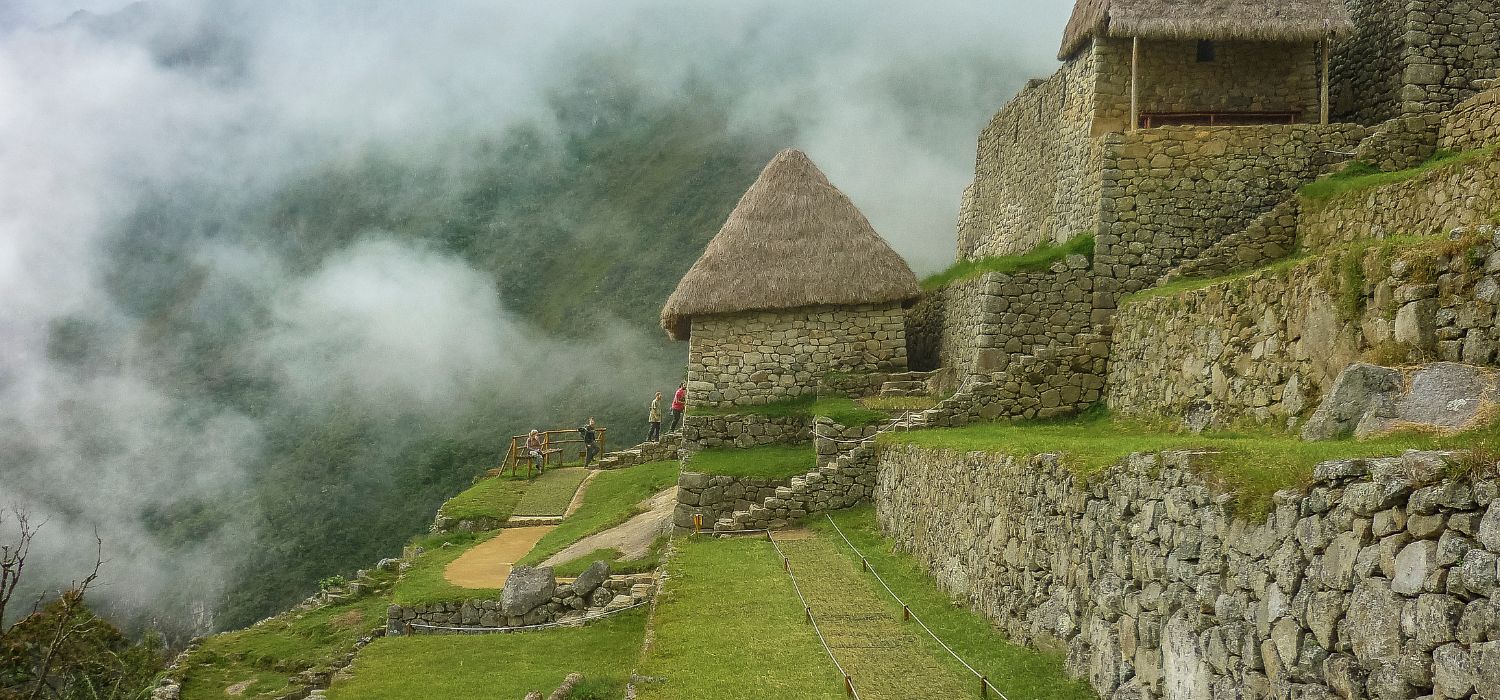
794,240
1220,20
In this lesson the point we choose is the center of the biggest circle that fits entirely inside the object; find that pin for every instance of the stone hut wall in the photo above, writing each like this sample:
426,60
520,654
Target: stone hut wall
1245,76
1464,193
1380,582
1414,56
1171,193
1036,176
763,357
1267,346
1473,124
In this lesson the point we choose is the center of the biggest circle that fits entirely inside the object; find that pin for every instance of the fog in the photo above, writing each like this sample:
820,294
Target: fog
108,106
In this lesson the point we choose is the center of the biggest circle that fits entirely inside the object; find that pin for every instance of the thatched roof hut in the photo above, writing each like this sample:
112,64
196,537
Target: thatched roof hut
1220,20
794,240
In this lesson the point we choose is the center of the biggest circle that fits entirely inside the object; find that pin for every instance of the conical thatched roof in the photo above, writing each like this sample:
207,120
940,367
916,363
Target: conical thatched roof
794,240
1222,20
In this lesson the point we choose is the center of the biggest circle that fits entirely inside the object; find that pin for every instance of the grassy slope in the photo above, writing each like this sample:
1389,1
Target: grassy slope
424,582
1252,465
770,462
498,665
270,653
1021,673
494,497
612,498
1036,260
1358,176
550,493
728,626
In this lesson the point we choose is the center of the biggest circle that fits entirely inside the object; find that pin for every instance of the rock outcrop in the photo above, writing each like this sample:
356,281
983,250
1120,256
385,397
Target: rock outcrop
1367,400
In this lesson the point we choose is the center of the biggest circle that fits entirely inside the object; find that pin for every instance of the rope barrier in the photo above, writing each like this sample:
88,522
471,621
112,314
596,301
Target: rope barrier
525,628
906,611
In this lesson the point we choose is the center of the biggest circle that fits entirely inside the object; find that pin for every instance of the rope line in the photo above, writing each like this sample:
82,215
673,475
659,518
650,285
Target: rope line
525,628
907,608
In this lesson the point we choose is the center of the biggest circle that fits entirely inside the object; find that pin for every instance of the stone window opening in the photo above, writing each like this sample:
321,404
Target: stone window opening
1207,52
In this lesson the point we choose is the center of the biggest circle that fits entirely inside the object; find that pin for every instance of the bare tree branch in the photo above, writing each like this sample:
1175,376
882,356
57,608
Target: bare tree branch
72,601
13,559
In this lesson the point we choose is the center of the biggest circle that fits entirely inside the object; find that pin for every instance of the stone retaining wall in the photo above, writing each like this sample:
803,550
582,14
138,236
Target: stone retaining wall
715,496
1473,124
1401,143
743,430
1380,582
1463,193
616,592
763,357
1265,347
1269,238
1413,57
1171,193
1052,383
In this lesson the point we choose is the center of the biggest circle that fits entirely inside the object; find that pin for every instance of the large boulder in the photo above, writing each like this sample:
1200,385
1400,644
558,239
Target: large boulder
1367,400
591,578
526,589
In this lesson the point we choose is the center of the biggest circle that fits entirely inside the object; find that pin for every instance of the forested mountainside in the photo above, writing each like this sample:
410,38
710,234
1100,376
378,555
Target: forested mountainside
583,227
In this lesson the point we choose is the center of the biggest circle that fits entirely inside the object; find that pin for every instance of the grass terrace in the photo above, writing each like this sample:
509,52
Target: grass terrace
1358,175
1252,465
424,582
460,667
613,497
493,497
768,462
550,493
1039,259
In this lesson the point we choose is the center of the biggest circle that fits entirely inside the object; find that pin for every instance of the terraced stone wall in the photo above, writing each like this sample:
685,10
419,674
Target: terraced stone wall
1173,192
1473,124
1379,582
743,430
716,496
1265,347
1463,194
1036,175
1414,56
763,357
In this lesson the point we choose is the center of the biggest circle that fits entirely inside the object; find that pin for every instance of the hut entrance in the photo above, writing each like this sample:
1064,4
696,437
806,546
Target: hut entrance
557,445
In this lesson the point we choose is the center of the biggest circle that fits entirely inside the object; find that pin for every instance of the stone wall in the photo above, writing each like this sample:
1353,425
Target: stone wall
1269,238
1401,143
1171,193
762,357
565,605
1414,56
1052,383
743,430
1473,124
1036,176
1380,582
1245,76
716,496
842,483
1463,193
1265,347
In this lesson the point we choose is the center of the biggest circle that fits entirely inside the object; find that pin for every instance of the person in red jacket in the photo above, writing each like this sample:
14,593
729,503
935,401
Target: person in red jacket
679,401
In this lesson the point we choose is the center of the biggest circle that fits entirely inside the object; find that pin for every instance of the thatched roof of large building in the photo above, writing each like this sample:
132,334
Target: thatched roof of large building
1221,20
794,240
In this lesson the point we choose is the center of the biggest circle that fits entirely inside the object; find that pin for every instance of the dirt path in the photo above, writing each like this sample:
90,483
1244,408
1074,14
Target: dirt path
888,659
488,563
633,537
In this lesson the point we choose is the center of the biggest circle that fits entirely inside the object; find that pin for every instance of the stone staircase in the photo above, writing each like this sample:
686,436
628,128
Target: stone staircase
842,483
660,451
907,384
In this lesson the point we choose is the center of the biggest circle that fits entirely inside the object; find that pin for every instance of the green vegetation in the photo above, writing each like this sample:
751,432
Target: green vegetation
1189,284
1021,673
493,497
551,492
1038,259
618,564
613,497
459,667
1252,465
899,403
424,581
841,410
1359,176
768,462
728,626
260,661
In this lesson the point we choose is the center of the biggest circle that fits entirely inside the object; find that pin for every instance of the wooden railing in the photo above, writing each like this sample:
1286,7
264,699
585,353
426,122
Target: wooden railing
554,445
1154,119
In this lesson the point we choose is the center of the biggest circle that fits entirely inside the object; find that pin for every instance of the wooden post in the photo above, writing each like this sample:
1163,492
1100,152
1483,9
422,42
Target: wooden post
984,686
1135,69
1323,105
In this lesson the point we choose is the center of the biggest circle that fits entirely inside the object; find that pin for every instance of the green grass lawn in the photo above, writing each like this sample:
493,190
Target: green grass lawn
1021,673
269,654
728,626
618,564
481,667
424,582
613,497
899,403
768,462
493,497
550,493
1039,259
1358,176
1251,465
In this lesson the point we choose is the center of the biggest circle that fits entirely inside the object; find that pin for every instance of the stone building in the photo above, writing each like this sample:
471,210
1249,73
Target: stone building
795,285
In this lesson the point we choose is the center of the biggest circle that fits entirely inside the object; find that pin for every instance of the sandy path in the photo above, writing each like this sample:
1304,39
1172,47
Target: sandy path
633,537
488,564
